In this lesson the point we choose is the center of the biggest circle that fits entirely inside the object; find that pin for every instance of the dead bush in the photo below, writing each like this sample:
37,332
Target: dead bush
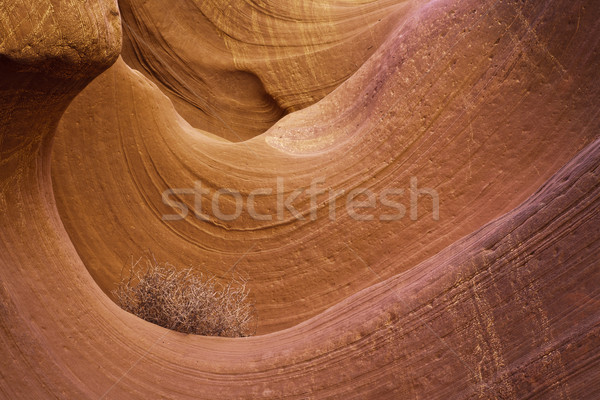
186,302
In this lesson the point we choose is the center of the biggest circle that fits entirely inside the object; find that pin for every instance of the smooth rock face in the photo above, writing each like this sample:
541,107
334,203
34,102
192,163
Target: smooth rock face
235,68
465,99
489,106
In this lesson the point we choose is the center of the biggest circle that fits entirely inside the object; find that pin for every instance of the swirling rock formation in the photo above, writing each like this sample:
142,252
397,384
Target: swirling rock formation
493,104
456,104
234,69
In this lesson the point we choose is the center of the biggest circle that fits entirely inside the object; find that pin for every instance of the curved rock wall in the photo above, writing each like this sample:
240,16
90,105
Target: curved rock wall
492,105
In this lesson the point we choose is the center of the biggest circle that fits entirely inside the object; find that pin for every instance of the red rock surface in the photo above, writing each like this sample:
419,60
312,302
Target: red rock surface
494,104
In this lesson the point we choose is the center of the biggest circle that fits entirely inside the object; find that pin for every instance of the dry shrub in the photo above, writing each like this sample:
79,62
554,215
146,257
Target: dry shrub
185,302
